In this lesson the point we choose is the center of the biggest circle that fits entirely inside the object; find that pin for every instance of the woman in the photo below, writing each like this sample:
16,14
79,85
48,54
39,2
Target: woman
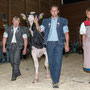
85,32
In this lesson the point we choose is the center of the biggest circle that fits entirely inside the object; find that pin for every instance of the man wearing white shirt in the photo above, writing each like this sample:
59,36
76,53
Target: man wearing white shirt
15,38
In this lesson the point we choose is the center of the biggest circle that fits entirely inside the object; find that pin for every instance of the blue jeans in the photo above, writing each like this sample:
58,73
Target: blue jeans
55,52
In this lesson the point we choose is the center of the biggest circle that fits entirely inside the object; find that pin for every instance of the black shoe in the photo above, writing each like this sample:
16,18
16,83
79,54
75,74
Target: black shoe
55,85
19,74
13,79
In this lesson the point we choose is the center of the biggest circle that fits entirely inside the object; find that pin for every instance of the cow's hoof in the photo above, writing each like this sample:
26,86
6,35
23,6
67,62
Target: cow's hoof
35,81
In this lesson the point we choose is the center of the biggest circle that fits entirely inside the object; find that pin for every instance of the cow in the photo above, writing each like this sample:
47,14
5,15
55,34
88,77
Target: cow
36,44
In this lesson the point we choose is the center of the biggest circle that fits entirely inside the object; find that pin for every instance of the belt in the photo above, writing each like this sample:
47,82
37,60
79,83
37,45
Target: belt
54,41
13,43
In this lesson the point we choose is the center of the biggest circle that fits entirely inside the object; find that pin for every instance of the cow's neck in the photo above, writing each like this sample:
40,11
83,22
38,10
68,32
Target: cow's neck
31,24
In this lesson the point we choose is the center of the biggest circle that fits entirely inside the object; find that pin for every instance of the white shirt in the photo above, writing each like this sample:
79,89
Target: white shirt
14,38
82,29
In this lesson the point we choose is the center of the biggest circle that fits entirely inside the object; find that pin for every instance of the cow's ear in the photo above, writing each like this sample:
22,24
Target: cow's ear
23,16
41,16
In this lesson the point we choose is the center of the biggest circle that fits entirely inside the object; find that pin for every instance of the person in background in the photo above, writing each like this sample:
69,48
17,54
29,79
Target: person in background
85,32
14,38
55,34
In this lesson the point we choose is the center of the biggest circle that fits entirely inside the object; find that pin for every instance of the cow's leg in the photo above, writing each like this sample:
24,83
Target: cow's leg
46,64
36,64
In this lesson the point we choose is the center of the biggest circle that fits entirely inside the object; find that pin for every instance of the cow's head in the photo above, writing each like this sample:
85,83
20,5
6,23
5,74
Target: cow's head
30,17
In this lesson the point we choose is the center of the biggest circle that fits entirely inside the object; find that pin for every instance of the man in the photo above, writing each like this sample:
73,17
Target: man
56,32
15,38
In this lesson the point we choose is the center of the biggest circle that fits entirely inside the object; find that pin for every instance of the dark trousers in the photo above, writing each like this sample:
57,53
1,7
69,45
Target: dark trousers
14,53
55,51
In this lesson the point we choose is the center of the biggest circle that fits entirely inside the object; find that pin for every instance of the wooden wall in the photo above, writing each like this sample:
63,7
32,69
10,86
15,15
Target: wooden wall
3,10
14,7
75,13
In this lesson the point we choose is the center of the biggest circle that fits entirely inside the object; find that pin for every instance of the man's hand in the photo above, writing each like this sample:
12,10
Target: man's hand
36,20
4,50
37,25
25,46
66,48
67,42
24,51
4,43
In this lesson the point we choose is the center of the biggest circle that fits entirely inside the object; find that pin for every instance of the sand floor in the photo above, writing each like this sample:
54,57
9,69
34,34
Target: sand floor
72,76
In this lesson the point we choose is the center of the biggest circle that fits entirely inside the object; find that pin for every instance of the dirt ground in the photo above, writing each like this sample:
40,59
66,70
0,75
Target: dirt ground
72,76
